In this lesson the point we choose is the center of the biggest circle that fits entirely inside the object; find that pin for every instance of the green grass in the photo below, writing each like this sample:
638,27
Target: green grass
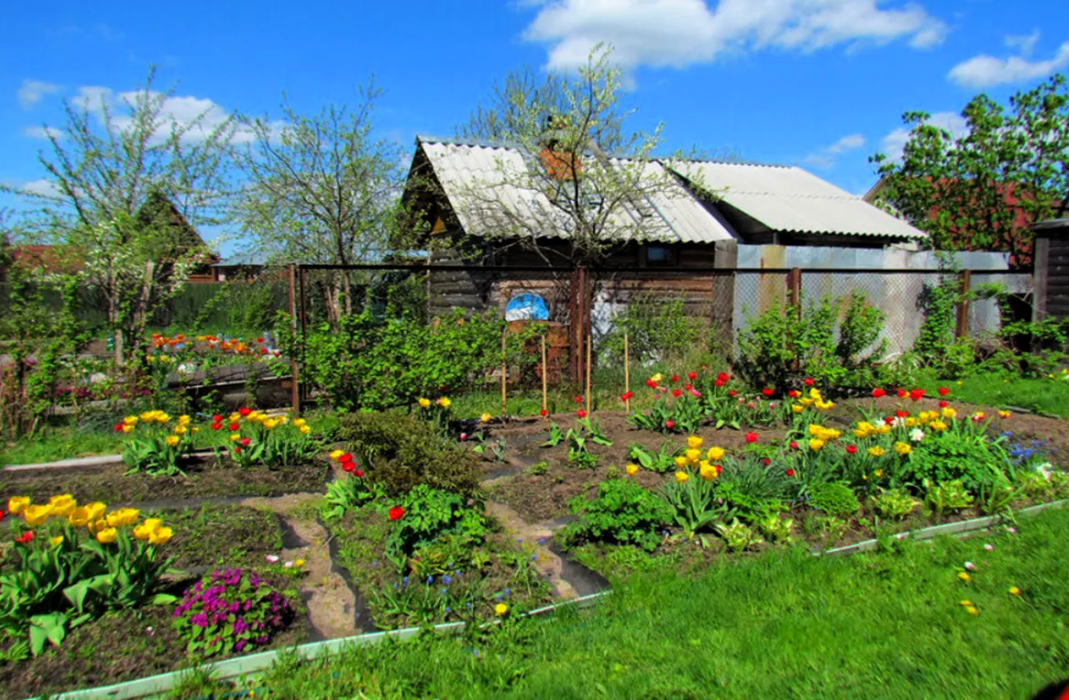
779,625
1046,395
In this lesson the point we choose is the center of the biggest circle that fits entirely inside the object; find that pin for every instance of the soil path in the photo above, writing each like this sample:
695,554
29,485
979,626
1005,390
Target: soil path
332,605
549,565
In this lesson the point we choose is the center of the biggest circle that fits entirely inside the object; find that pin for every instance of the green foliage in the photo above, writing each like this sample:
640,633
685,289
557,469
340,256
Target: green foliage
973,459
398,452
661,461
366,362
671,414
273,442
694,503
946,497
658,329
430,513
346,495
739,536
834,498
779,347
622,512
892,504
776,527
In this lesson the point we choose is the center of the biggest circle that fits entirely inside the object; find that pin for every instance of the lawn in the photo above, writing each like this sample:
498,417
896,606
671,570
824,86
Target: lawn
783,624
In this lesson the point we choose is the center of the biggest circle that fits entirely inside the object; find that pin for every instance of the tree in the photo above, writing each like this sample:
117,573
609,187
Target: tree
581,174
984,189
322,189
128,182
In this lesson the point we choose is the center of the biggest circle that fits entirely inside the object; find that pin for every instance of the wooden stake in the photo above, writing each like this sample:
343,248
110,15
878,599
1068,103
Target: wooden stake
627,374
589,344
504,378
545,370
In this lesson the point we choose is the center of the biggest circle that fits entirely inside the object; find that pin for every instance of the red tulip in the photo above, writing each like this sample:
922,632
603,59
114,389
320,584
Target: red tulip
245,442
808,381
396,513
794,393
676,393
790,472
692,376
889,420
25,537
902,414
581,413
244,411
766,461
348,467
359,472
217,426
263,351
237,450
669,424
794,444
579,399
259,340
118,427
767,392
851,449
675,378
943,391
688,387
901,393
234,427
751,437
543,413
217,418
627,396
347,457
878,393
943,404
916,394
732,392
719,382
723,376
651,384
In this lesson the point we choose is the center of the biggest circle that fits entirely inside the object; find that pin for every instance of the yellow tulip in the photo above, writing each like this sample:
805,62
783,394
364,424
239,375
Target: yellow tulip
298,563
96,510
96,526
145,529
172,440
657,377
299,422
797,408
937,425
814,393
336,455
815,429
161,535
130,420
876,451
128,428
949,412
693,455
56,541
183,420
694,442
883,429
486,418
148,416
123,516
709,471
163,418
444,402
17,504
816,444
715,454
235,417
424,403
180,430
107,535
631,469
234,437
62,506
681,477
304,429
36,515
911,422
79,517
681,461
903,448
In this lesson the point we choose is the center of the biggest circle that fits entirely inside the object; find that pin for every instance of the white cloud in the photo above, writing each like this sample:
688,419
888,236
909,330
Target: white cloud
986,71
43,132
893,143
198,117
32,91
824,158
679,33
42,187
1025,44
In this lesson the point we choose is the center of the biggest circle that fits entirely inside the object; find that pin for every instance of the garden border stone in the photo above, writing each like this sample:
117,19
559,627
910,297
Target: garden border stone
256,663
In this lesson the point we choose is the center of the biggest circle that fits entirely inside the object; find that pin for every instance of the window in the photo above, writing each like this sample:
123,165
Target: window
659,255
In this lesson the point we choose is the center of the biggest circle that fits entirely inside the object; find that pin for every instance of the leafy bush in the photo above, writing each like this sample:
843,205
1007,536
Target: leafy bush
955,455
658,330
370,363
73,563
833,498
230,611
399,452
946,497
622,512
427,514
345,495
779,348
739,536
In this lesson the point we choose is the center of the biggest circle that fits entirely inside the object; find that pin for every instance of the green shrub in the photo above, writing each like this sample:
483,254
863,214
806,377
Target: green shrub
833,342
429,514
975,460
833,498
622,512
658,330
946,497
398,452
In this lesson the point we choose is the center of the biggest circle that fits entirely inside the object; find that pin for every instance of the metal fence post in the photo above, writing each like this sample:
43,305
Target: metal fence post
962,328
295,391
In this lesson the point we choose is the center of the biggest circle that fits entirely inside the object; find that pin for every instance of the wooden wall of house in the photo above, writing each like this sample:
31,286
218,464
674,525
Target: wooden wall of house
1052,269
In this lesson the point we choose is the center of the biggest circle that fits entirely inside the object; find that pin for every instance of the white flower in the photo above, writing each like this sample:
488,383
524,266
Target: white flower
272,558
916,435
1046,469
970,566
288,565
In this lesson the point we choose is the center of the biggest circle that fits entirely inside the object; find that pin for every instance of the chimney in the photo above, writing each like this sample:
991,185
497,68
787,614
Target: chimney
559,162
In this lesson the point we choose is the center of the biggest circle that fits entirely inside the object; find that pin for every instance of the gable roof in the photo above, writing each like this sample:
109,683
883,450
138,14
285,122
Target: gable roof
787,198
477,179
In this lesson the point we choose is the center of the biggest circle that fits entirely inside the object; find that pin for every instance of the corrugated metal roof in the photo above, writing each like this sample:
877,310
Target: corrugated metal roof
480,181
791,199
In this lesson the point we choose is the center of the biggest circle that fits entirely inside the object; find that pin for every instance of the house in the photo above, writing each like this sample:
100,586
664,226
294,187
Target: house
683,232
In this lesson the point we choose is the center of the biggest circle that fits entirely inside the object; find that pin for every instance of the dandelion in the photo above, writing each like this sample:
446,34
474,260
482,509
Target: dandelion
964,576
501,609
1014,590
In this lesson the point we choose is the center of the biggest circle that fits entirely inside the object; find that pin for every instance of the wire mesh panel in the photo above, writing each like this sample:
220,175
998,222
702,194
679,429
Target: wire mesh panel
756,292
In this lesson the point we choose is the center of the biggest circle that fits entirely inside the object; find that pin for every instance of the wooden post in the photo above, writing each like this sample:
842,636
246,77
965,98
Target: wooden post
545,370
295,391
627,374
794,288
504,376
302,315
589,345
962,329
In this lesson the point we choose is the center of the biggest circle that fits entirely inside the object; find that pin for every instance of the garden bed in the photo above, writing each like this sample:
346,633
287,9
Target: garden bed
204,478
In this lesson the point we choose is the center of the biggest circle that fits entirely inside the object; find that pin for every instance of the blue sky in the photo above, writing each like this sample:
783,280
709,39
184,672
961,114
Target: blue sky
817,83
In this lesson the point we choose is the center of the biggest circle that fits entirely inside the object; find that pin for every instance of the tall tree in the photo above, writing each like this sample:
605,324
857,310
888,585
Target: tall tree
594,180
323,189
983,190
128,181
